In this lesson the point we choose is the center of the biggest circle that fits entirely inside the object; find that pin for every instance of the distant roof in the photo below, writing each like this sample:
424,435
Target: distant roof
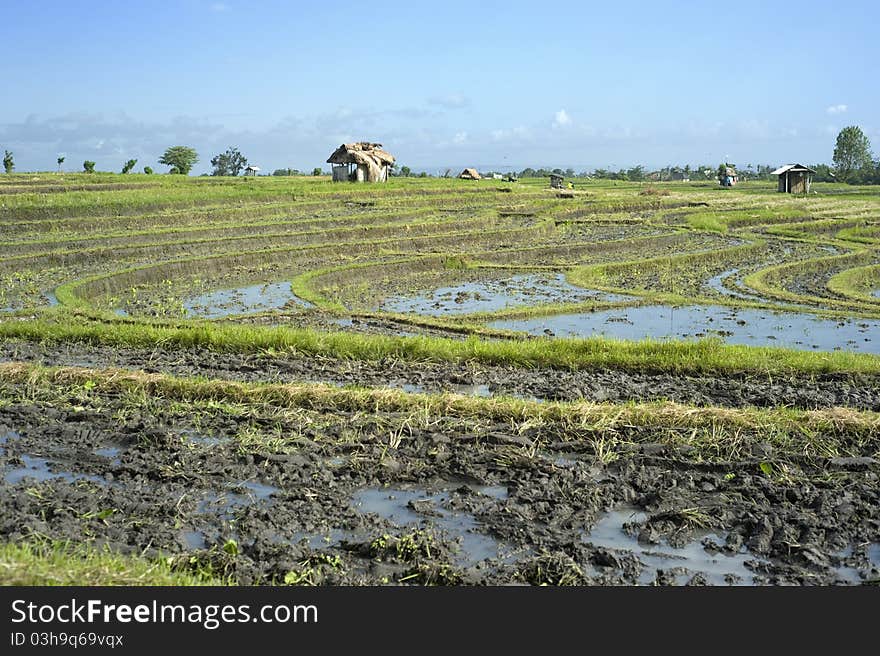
470,174
556,175
797,168
252,168
361,152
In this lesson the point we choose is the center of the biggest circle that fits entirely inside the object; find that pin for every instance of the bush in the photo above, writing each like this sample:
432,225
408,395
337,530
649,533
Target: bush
89,166
148,170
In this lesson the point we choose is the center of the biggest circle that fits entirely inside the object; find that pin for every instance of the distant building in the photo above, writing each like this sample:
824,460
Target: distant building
555,181
361,162
252,170
729,178
470,174
794,178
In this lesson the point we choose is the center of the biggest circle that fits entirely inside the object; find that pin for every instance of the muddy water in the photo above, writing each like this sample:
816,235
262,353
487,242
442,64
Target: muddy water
615,531
39,469
242,300
716,283
478,390
492,295
735,326
405,507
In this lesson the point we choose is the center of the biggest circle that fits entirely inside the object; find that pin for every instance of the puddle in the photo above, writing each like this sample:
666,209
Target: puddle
609,533
50,297
481,390
874,554
203,440
38,469
111,453
224,503
242,300
323,539
492,295
716,283
195,539
260,491
345,323
735,326
398,505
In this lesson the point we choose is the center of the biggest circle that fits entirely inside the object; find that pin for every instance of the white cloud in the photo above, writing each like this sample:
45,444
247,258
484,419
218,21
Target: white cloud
837,109
459,138
450,101
219,7
562,119
519,133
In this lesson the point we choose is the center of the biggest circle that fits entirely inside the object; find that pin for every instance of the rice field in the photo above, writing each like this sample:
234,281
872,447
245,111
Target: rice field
466,382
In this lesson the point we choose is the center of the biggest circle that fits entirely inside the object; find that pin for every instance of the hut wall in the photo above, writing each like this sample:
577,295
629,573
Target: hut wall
782,178
340,173
798,183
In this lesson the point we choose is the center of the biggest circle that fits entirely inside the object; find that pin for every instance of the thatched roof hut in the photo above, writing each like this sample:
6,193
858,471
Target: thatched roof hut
362,161
470,174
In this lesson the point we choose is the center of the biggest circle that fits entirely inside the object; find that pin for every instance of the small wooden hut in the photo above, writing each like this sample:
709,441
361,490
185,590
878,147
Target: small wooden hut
794,179
555,181
361,162
470,174
252,170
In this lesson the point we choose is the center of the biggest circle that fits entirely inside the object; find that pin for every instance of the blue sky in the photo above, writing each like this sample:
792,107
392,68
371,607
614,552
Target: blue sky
488,84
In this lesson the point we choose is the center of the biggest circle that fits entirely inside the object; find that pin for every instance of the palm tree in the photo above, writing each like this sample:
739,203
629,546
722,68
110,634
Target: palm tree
60,162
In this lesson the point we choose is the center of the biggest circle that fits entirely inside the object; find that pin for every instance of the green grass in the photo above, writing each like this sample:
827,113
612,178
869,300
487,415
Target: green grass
61,563
709,222
708,355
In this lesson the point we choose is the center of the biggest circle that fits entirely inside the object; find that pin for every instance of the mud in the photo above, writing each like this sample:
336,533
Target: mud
729,389
451,503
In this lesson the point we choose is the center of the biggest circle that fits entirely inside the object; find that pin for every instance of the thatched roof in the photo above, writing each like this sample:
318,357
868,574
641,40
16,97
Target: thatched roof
470,174
362,152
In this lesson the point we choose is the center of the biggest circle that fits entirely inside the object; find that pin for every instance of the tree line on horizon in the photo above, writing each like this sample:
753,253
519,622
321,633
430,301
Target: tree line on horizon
852,159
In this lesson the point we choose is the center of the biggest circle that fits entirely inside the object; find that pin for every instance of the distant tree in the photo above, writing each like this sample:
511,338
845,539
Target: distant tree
148,170
181,159
447,173
851,152
60,162
231,162
285,172
8,162
405,171
89,166
423,174
128,166
316,171
637,173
